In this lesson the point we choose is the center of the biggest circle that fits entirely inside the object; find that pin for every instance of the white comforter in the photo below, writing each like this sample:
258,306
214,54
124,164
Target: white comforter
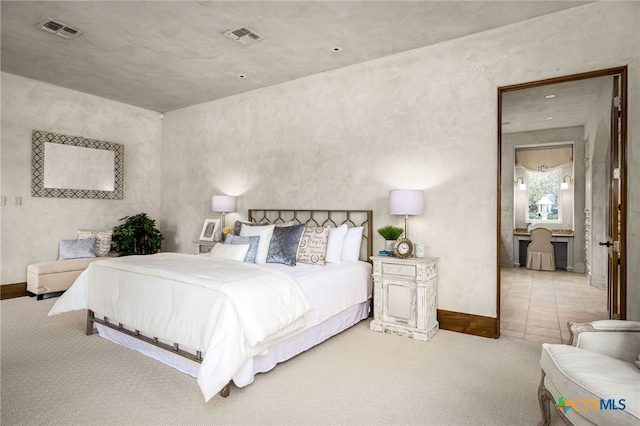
228,310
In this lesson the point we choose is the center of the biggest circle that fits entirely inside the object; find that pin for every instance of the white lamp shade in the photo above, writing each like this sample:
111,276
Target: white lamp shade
223,203
406,201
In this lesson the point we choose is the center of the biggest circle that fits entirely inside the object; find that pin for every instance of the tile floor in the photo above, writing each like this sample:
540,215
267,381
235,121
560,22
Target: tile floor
536,305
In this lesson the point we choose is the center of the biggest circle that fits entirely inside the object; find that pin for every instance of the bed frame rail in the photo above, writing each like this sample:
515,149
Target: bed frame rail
104,321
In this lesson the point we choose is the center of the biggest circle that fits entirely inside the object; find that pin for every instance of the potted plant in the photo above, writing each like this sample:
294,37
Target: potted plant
390,234
137,235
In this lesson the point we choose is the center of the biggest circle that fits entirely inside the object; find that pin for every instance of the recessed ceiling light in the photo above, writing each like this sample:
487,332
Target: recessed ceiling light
549,118
336,49
550,96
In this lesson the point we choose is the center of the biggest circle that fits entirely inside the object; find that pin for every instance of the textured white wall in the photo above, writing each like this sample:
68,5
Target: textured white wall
424,119
31,232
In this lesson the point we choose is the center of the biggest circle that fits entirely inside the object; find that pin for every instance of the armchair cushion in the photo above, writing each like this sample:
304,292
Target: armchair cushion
576,373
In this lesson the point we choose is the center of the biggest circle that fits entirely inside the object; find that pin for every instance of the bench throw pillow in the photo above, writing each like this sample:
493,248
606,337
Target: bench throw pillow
76,249
103,240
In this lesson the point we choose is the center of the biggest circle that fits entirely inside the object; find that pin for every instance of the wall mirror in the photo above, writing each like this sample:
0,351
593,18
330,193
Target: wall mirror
74,167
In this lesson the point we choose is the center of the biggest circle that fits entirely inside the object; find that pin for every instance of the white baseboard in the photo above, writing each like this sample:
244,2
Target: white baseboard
598,281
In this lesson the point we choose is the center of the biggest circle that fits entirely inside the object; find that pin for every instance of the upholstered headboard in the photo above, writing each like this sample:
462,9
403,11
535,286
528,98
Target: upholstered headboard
332,218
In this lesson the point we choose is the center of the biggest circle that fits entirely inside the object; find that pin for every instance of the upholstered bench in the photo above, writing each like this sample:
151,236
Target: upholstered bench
50,279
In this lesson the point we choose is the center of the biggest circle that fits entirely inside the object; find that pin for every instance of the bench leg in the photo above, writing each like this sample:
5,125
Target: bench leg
45,295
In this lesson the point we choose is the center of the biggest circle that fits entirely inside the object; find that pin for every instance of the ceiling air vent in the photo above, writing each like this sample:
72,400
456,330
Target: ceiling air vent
58,28
243,35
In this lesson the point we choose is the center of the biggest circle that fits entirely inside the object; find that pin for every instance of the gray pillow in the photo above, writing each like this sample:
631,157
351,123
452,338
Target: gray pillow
284,244
76,249
237,226
253,245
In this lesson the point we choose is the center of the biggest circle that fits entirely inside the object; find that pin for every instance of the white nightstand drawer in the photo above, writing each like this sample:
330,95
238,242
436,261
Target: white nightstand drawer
402,270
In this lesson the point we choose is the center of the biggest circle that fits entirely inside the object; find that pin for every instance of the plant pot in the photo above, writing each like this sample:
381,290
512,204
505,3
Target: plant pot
389,245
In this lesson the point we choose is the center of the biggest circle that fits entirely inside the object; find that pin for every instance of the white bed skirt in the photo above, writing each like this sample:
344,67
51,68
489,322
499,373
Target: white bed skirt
282,350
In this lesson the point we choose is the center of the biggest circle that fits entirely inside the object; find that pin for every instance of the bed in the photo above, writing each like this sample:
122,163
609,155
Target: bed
224,321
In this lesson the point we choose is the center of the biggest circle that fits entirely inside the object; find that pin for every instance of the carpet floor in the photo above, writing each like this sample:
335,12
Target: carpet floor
52,373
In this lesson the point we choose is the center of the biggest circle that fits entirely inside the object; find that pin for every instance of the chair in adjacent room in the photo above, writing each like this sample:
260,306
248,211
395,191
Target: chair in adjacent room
540,254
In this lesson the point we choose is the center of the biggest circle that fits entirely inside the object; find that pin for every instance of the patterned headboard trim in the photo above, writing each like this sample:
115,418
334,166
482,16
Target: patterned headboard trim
332,218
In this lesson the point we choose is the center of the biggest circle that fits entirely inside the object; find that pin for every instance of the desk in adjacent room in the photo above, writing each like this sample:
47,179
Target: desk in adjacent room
561,239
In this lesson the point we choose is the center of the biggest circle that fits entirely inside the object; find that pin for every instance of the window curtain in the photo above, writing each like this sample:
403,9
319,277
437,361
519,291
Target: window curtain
543,159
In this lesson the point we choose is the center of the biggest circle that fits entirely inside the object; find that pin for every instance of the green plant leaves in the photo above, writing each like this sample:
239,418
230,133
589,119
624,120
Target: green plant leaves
390,232
137,235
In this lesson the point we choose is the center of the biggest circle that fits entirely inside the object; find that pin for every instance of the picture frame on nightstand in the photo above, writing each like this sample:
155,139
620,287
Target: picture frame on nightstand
209,229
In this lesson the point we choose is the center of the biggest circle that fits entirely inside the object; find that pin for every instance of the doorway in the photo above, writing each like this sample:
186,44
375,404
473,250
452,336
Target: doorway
590,110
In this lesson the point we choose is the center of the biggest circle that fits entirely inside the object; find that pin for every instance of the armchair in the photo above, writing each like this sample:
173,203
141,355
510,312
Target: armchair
595,380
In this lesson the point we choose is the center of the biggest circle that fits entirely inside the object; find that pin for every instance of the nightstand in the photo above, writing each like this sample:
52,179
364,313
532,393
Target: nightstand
404,296
204,246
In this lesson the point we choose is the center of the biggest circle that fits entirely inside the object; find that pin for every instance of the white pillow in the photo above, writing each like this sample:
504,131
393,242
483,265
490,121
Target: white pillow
336,241
351,247
229,251
264,232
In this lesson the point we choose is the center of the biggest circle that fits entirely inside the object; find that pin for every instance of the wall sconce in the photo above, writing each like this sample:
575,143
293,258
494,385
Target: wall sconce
564,184
223,204
522,186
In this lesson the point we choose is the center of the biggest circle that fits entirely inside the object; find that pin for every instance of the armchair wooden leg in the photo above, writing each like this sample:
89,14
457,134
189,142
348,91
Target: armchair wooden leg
544,398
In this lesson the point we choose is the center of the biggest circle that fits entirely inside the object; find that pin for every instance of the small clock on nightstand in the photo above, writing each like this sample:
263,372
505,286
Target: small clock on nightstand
403,248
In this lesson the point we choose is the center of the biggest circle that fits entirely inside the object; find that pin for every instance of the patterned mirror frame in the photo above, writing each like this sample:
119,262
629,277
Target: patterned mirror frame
37,167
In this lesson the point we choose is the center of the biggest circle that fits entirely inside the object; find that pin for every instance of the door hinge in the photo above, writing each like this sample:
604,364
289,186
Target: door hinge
616,102
616,173
616,246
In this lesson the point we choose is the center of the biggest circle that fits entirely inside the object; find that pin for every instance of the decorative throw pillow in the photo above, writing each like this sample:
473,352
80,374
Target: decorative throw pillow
336,241
103,240
253,245
284,244
230,251
237,225
264,232
351,247
313,245
76,249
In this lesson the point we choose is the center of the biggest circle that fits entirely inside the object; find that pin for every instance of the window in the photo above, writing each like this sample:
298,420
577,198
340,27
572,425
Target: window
543,195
